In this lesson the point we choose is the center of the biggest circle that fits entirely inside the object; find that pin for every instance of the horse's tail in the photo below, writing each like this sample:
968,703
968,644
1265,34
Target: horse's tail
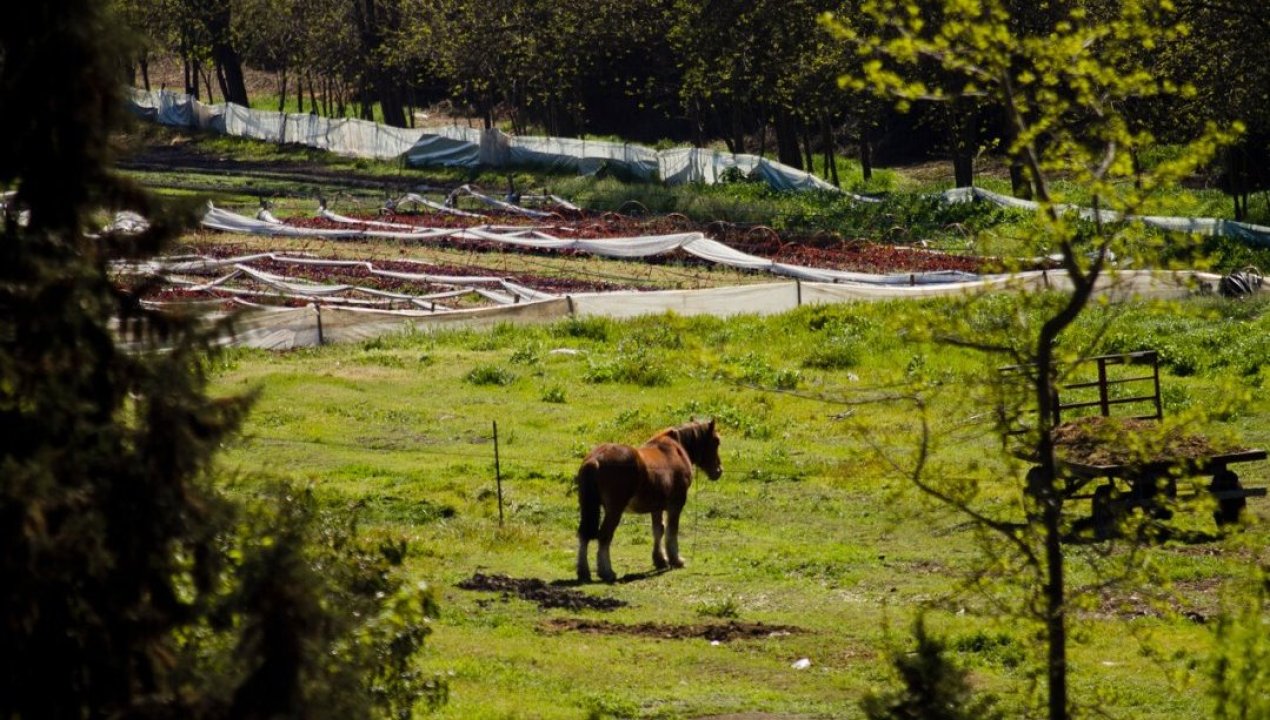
588,501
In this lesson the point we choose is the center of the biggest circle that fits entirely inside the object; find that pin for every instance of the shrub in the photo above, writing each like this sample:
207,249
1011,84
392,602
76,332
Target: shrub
633,369
933,687
489,375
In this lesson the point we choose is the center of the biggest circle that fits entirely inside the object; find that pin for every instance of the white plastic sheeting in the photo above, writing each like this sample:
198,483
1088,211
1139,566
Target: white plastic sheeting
177,271
313,325
1249,233
454,146
287,328
693,243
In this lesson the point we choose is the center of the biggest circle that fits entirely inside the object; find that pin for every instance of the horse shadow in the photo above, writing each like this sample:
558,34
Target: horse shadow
625,579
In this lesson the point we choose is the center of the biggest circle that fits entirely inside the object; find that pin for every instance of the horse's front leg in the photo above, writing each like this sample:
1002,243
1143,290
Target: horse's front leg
612,516
659,530
672,536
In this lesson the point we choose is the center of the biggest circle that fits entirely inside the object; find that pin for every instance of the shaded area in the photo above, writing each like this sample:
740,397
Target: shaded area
537,591
719,632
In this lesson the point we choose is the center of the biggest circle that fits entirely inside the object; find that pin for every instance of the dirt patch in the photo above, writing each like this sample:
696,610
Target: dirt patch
720,632
545,595
1197,600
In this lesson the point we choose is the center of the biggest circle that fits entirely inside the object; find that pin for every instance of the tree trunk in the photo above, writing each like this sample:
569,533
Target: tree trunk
220,80
698,136
1236,181
737,145
1020,186
224,54
144,64
809,157
1051,500
185,68
194,76
1047,490
282,90
963,169
235,84
787,150
826,137
378,85
367,102
313,103
963,141
866,156
207,82
390,102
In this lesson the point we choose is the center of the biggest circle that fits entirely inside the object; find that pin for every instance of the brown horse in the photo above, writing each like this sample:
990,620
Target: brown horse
652,478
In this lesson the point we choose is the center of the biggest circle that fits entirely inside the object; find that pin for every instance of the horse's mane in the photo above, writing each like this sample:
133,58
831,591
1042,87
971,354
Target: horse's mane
692,436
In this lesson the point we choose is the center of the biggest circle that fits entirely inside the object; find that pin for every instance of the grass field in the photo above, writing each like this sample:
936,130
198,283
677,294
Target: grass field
813,546
808,528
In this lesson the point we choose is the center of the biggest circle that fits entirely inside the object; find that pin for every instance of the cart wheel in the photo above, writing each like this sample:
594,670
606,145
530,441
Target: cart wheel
1103,513
1228,509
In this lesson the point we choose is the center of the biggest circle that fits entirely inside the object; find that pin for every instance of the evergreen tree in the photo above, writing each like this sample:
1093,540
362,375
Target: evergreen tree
132,588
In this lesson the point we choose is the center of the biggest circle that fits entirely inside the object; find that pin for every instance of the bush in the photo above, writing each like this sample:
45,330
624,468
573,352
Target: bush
933,688
489,375
636,369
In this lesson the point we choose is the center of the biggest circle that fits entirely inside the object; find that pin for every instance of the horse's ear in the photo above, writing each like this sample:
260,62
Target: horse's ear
673,434
711,424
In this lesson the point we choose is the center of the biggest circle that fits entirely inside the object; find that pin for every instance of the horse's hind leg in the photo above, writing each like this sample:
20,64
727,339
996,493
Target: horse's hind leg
584,568
659,530
612,516
672,536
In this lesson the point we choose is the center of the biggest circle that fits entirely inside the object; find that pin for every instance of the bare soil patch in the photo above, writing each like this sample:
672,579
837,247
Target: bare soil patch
720,632
540,592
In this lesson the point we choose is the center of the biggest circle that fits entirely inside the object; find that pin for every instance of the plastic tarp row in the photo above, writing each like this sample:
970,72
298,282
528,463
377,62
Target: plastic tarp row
176,271
345,136
313,325
286,328
454,146
693,243
1252,234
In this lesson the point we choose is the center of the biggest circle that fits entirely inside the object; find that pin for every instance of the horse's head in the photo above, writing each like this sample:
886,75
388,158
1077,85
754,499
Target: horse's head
701,441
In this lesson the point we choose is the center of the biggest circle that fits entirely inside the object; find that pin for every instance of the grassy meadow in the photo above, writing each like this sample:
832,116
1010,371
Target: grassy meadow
813,525
815,530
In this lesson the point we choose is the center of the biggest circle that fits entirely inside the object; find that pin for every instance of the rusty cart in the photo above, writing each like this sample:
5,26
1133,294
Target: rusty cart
1126,387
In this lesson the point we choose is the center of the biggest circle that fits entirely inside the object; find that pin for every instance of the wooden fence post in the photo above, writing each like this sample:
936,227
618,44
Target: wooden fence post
498,476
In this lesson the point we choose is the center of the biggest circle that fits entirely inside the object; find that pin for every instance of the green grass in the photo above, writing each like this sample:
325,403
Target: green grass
806,528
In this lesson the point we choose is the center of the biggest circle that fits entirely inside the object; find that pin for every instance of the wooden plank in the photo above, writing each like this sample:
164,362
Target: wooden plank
1101,403
1110,381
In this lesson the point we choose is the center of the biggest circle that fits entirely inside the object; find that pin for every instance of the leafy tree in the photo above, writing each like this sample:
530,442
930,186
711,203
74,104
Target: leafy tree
132,587
1064,89
1241,667
1225,60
